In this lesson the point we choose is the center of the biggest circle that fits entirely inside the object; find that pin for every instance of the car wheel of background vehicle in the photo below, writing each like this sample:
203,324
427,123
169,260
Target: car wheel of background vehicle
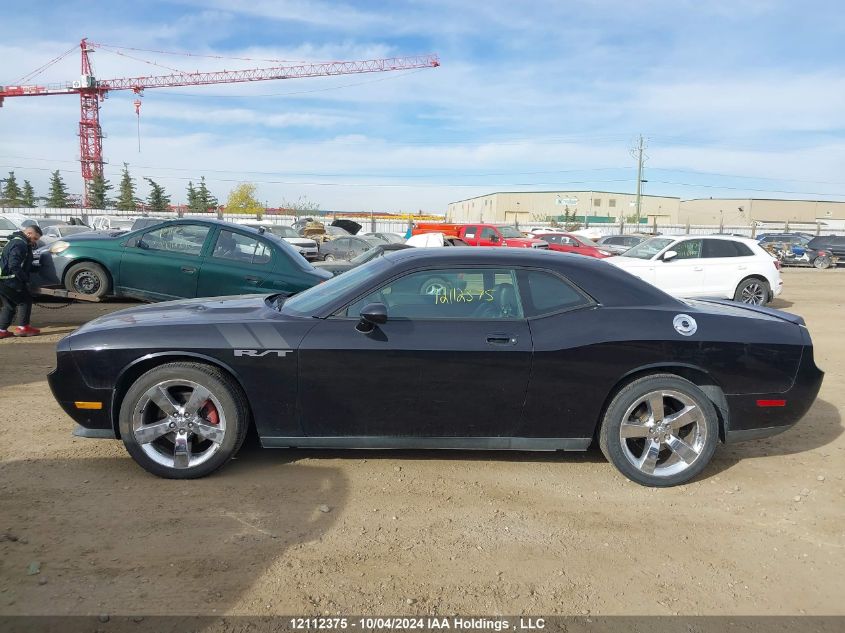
88,278
434,286
660,430
328,258
752,291
822,262
183,420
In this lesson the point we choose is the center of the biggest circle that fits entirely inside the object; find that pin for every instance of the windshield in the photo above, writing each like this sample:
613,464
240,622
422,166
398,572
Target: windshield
284,231
7,225
317,298
649,248
587,242
509,231
367,255
337,231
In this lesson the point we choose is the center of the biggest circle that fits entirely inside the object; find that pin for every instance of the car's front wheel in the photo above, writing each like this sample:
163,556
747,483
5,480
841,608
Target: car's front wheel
329,257
88,278
660,430
753,291
183,420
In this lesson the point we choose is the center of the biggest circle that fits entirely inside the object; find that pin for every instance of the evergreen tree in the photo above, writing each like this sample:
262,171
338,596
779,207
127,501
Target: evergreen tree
192,197
205,200
126,200
11,192
28,198
58,197
98,192
157,200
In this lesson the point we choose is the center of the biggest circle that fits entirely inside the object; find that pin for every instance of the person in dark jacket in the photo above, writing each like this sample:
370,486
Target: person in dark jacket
15,265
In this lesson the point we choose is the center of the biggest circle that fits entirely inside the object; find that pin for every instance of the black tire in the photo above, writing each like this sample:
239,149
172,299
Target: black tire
753,291
88,278
619,451
226,392
822,263
434,285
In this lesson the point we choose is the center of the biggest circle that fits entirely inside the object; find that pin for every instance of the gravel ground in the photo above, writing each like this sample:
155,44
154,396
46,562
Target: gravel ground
85,531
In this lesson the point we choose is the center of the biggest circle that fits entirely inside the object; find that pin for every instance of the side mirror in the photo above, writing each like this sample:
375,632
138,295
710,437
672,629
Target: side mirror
669,255
494,238
142,244
373,314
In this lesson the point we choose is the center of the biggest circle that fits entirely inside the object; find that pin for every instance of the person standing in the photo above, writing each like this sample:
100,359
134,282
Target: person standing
15,266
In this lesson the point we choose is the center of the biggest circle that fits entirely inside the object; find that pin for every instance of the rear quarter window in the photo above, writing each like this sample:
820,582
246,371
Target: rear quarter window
546,293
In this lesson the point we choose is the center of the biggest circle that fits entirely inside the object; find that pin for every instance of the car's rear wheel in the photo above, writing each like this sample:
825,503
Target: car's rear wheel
88,278
753,291
822,262
183,420
660,430
329,257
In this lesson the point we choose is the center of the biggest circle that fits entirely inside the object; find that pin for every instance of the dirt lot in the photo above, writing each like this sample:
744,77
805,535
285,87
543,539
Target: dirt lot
761,532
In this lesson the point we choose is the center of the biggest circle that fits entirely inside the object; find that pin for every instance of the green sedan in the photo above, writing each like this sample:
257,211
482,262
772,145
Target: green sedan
177,259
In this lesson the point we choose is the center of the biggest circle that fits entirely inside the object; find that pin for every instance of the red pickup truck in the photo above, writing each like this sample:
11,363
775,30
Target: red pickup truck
482,234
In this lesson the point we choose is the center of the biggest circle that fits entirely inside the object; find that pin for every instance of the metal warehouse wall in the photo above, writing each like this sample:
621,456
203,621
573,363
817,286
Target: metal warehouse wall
534,206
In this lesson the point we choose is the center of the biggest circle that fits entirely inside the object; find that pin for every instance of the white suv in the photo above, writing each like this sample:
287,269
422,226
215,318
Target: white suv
714,266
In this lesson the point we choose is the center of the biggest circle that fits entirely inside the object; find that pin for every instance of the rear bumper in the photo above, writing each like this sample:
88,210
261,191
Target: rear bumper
753,417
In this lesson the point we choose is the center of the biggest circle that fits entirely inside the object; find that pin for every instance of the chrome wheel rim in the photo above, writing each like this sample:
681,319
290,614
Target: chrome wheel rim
179,424
754,294
663,433
86,282
821,262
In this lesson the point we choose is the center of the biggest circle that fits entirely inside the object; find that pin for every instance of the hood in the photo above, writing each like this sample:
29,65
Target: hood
233,309
300,241
93,235
527,241
347,225
629,262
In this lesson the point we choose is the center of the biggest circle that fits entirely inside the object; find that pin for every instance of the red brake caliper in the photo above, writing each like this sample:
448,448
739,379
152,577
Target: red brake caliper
209,412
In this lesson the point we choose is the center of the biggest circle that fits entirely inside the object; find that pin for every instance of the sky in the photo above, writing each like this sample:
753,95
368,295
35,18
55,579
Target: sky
734,98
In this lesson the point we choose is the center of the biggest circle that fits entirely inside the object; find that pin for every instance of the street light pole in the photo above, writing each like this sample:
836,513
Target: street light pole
639,155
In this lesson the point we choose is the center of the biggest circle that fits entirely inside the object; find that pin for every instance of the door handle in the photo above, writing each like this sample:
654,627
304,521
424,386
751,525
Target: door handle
698,268
743,267
501,339
252,280
190,270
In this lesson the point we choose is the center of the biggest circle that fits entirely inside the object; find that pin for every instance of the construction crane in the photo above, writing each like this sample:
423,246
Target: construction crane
92,91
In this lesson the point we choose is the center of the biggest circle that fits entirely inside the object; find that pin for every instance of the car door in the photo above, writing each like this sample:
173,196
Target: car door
683,275
449,364
164,263
725,264
489,237
470,235
237,263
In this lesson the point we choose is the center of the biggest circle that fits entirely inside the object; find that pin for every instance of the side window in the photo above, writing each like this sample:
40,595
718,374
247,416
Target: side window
186,239
689,249
470,231
551,239
488,234
241,248
742,250
545,293
721,248
448,294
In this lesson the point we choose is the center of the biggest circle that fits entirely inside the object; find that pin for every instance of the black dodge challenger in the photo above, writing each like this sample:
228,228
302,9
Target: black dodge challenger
468,348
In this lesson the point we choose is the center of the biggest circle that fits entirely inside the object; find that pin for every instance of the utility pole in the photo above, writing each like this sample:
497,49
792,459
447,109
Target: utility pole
637,152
